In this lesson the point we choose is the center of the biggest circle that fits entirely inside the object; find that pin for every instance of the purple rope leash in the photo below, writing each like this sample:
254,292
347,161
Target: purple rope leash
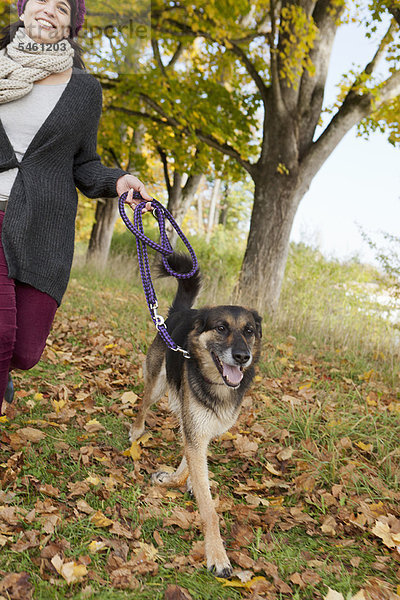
165,249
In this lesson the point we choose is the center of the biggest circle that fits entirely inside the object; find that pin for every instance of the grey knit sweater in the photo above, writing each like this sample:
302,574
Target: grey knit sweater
39,224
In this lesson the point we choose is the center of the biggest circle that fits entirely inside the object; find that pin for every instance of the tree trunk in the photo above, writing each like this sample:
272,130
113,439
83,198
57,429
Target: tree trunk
180,199
102,231
216,192
275,204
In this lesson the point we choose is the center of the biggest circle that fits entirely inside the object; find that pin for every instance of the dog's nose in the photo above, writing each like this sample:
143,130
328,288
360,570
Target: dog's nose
241,356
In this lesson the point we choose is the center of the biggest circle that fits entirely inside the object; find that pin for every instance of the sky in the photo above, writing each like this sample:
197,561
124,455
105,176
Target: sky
359,185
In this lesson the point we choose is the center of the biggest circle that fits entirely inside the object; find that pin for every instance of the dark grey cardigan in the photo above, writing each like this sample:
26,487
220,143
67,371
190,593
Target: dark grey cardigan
39,224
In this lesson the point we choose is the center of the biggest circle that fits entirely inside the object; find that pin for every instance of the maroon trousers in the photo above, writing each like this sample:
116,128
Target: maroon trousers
26,316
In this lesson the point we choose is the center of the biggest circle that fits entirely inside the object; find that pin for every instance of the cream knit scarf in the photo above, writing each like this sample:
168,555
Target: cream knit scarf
21,65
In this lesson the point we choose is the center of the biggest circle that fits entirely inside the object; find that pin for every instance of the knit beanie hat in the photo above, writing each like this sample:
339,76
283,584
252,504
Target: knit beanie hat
80,14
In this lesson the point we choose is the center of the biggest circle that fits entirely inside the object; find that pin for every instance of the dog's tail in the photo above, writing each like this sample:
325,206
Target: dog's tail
188,288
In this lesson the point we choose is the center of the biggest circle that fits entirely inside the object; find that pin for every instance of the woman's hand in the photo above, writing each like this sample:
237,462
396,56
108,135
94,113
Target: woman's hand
129,183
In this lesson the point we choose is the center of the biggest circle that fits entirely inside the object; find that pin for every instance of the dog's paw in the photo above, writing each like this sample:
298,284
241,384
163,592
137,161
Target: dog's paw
223,570
218,561
160,477
135,434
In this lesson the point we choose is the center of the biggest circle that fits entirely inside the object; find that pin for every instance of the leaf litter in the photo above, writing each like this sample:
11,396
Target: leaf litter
272,483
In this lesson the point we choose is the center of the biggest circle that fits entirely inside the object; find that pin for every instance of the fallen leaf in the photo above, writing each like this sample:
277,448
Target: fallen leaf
129,398
31,434
134,451
49,490
245,446
285,454
100,520
84,507
364,447
96,546
71,571
175,592
93,426
271,469
123,579
93,480
121,531
329,526
16,586
388,529
333,595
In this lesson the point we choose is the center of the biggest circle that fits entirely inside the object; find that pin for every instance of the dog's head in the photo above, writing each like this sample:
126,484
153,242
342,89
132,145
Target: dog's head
226,341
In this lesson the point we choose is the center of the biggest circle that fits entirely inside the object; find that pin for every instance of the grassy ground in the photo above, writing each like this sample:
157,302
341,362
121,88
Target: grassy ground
307,482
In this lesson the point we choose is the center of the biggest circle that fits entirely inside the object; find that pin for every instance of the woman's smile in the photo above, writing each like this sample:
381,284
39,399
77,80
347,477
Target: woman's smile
47,21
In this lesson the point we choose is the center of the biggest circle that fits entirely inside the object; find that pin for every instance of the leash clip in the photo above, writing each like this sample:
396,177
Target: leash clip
179,349
158,319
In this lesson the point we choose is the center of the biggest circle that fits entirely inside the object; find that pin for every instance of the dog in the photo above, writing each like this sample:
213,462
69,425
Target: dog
205,391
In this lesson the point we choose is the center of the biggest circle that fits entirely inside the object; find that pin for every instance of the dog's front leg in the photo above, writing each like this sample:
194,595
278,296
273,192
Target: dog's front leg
217,559
154,388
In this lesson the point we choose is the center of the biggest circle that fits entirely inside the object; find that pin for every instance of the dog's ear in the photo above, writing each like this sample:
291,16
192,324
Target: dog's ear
200,322
257,320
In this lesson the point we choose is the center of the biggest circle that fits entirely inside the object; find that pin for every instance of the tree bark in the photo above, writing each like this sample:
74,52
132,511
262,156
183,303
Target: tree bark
263,267
215,196
180,199
103,227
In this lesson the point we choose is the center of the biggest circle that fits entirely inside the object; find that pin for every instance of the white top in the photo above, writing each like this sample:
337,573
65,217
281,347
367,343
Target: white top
21,120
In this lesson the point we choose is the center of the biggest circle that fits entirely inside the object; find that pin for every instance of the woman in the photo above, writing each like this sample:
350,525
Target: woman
49,115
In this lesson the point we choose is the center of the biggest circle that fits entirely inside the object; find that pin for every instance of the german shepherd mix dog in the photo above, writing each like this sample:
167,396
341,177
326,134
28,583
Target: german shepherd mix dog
205,391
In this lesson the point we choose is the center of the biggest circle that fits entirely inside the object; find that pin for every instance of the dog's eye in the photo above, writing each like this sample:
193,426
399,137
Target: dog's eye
221,328
249,330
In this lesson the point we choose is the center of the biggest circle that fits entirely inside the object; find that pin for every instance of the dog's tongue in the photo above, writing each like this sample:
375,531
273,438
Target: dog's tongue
233,374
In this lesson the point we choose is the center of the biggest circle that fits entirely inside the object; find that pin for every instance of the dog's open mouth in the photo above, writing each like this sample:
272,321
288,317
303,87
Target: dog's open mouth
231,375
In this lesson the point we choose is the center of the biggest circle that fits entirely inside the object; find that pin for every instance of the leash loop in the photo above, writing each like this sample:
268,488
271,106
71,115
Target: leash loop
160,213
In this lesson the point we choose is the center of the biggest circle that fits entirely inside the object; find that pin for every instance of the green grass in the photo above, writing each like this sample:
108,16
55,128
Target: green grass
333,401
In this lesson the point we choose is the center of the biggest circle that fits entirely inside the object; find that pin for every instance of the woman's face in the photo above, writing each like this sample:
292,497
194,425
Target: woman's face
47,21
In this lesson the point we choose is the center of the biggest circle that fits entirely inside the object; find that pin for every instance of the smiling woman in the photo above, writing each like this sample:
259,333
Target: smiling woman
47,21
49,114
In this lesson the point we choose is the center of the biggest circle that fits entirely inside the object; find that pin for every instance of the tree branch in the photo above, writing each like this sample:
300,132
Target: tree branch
208,139
231,45
371,66
157,56
164,161
252,71
176,56
389,90
137,113
394,9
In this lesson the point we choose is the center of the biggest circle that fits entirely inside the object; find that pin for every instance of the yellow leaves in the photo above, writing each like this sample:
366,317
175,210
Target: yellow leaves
100,520
3,419
238,583
96,546
387,528
71,571
93,480
135,450
282,169
368,375
364,447
58,405
271,469
297,34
